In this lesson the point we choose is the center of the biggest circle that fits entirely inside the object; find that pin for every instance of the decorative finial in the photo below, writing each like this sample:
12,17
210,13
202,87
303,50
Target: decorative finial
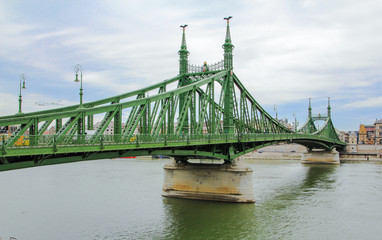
184,45
184,26
228,18
228,34
228,47
183,53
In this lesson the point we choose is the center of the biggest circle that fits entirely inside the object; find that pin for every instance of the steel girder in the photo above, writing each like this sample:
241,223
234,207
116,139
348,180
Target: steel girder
193,109
327,131
308,127
178,146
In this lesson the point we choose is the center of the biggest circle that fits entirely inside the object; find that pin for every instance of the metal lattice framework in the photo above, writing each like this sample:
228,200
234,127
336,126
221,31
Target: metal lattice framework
203,112
326,131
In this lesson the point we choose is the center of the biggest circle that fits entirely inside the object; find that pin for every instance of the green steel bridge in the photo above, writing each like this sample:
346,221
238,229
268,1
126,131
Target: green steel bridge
203,112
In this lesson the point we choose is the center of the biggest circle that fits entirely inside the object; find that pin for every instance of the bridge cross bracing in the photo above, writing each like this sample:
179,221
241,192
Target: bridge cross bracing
203,112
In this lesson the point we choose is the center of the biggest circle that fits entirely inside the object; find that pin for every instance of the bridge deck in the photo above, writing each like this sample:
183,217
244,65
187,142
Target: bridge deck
47,151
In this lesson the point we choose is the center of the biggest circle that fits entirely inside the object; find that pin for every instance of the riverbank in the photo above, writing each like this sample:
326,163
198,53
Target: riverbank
294,152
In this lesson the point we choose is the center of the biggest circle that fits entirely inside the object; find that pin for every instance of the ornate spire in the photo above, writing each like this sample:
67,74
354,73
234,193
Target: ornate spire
228,124
184,45
183,53
329,108
228,48
228,34
310,108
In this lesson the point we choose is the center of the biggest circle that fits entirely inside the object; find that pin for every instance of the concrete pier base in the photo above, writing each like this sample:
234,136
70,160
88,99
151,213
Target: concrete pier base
321,157
215,182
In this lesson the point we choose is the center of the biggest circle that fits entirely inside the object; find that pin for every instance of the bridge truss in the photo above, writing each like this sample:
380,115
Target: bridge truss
204,112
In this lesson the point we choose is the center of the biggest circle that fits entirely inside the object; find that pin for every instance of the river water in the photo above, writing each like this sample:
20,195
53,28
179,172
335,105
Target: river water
121,199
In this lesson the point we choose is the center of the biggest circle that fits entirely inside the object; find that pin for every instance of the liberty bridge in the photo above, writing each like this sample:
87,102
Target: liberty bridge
205,112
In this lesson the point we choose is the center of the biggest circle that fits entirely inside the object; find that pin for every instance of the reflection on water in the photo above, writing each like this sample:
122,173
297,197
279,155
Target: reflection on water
319,176
120,199
201,220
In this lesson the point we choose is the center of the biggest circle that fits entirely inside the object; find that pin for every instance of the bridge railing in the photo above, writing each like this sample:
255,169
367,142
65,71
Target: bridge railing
31,141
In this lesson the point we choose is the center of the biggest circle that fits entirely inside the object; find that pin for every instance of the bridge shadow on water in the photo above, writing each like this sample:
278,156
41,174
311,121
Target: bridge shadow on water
193,219
272,217
317,178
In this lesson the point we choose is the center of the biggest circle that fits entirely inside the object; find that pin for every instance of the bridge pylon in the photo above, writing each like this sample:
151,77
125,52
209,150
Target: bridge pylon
320,154
231,181
183,81
228,125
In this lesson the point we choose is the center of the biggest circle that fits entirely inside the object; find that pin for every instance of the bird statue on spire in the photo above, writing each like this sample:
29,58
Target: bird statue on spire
184,26
183,53
228,47
228,18
184,45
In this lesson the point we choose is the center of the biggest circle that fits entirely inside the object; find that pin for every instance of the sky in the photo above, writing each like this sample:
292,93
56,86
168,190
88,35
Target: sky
286,51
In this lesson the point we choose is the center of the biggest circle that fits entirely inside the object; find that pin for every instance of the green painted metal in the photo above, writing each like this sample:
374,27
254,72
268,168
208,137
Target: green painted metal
229,98
327,130
174,145
207,113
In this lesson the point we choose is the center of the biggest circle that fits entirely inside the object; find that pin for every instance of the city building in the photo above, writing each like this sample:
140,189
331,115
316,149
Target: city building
370,129
366,134
286,124
362,134
378,131
344,136
353,138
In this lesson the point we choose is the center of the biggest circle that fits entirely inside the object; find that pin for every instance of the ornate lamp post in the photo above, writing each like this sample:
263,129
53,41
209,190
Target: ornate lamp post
275,109
77,68
22,79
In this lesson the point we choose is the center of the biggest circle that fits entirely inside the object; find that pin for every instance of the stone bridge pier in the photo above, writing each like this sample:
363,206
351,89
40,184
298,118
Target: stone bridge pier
321,157
228,182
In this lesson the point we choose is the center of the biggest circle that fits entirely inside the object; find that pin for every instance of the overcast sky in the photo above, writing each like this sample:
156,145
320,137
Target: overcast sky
285,51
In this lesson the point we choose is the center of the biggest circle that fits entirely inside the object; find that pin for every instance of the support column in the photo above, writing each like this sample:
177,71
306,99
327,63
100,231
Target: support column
320,157
228,182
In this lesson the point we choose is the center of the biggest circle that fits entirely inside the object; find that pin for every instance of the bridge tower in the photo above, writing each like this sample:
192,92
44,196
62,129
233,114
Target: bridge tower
231,181
321,156
183,69
228,126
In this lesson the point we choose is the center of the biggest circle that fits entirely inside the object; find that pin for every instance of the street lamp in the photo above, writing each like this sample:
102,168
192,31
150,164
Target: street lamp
76,69
22,79
275,109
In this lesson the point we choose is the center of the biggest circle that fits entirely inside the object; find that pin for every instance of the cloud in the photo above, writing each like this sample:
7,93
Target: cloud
9,103
285,51
319,56
367,103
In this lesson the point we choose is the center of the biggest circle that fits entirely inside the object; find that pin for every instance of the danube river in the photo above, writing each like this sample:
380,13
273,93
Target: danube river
121,199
